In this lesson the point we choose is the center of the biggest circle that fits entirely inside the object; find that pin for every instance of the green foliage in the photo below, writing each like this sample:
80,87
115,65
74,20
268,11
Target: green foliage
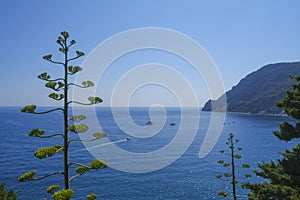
282,175
222,193
91,197
62,86
44,76
78,118
74,69
99,135
55,85
291,102
95,100
79,53
87,83
10,195
82,169
36,132
51,84
232,176
266,190
65,34
248,176
53,188
237,156
56,97
47,57
258,92
97,164
218,176
78,128
72,42
63,194
27,176
287,131
29,109
245,166
46,152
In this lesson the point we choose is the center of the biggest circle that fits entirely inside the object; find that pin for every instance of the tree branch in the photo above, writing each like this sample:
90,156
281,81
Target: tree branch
54,80
79,140
49,136
84,104
78,164
55,109
55,62
48,175
70,45
77,85
79,174
75,176
73,58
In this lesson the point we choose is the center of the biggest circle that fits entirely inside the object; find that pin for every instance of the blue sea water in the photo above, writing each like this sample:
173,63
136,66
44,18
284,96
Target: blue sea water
189,177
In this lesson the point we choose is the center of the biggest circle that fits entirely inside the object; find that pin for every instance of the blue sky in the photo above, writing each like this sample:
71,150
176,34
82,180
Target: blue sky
239,36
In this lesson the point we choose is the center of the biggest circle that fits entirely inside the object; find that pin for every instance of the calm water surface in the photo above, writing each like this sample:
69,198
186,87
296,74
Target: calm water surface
187,178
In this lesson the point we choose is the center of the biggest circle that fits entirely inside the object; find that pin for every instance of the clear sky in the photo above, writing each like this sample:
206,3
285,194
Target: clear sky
240,37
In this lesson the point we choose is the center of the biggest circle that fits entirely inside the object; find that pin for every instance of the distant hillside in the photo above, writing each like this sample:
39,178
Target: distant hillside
258,92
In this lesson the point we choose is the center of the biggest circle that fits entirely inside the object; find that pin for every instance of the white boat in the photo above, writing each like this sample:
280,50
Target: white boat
149,122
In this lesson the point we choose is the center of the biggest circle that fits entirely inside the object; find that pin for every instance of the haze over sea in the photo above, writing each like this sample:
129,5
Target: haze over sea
187,178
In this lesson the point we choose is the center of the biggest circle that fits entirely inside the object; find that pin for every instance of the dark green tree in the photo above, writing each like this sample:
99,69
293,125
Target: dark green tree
72,125
232,165
282,177
10,195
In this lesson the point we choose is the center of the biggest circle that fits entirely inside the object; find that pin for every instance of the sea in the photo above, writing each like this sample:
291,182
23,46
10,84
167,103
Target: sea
187,176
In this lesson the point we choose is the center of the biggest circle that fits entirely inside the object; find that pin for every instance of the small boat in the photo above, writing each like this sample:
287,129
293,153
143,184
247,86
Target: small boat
128,138
172,124
149,123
